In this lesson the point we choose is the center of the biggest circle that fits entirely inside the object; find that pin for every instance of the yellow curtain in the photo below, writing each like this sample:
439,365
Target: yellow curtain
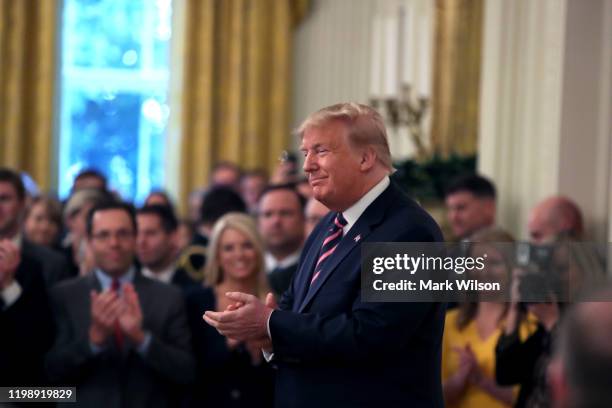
27,84
232,92
455,102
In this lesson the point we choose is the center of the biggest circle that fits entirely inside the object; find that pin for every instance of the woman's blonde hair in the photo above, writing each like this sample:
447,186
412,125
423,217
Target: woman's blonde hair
213,275
491,235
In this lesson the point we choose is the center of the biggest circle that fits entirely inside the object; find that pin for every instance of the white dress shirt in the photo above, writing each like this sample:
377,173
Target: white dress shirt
164,276
273,263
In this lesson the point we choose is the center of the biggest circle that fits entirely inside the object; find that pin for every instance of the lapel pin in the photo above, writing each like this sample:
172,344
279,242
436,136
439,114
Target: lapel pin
357,238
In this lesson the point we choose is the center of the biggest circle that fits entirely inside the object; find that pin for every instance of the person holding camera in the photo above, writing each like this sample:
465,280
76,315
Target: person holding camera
550,276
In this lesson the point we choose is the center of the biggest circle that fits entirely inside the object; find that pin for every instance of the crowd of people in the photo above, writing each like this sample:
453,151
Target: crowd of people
109,298
500,354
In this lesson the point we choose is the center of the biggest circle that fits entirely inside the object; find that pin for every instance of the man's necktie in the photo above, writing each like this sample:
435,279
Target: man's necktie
332,239
115,286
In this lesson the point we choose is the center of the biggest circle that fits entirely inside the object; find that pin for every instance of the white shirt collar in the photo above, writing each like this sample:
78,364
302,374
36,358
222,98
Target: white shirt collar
164,276
273,263
352,214
107,280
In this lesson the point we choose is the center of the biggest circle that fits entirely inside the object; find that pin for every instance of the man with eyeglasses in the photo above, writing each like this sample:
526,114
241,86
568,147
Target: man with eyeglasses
122,338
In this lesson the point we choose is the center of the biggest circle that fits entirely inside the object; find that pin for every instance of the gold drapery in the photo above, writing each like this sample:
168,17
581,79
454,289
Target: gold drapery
232,91
455,101
27,86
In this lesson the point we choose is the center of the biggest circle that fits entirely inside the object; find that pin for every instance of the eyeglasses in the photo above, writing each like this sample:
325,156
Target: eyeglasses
6,198
120,235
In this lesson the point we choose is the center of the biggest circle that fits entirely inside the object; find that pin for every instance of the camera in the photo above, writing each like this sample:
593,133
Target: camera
542,273
291,159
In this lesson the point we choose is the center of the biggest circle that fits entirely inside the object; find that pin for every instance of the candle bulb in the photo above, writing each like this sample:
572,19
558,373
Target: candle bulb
375,85
408,46
390,87
425,56
401,48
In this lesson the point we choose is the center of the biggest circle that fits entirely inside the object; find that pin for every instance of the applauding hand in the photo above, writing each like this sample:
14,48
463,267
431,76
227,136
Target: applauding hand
130,318
10,258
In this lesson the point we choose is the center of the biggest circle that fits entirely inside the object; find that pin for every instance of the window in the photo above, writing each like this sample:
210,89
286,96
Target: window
114,82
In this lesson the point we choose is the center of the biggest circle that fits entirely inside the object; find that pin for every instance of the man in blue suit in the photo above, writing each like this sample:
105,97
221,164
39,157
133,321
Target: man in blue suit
332,349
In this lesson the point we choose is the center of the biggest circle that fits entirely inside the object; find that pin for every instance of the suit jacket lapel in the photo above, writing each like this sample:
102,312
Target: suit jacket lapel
303,275
373,215
94,283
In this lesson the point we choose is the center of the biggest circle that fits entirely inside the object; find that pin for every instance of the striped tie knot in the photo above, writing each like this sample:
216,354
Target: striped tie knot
331,241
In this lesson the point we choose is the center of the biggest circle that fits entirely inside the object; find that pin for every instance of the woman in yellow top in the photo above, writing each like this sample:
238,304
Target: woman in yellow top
472,330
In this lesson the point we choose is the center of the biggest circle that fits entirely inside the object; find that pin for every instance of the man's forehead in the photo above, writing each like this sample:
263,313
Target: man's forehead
331,132
149,219
468,197
6,188
113,218
461,196
279,199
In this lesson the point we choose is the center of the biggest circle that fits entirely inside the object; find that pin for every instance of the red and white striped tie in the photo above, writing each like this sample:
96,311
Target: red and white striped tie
332,239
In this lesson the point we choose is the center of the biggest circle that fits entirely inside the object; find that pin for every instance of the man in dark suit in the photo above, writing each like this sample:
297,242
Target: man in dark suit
25,321
281,225
156,246
122,338
53,264
55,267
332,349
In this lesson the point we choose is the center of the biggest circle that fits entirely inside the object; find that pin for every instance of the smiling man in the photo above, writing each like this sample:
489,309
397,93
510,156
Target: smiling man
332,349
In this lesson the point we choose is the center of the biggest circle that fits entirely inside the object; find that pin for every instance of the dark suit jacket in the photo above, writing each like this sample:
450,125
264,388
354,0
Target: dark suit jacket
55,267
114,378
182,280
333,350
280,278
26,330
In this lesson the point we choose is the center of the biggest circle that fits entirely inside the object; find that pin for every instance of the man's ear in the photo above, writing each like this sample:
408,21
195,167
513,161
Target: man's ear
368,158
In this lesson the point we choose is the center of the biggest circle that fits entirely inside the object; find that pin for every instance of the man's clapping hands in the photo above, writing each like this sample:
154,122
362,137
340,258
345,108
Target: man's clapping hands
109,310
245,320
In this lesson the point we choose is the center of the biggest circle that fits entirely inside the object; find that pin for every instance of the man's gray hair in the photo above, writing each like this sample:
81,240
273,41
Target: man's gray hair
365,125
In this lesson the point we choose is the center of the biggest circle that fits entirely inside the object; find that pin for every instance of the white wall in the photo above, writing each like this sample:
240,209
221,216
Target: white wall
332,55
545,120
351,50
